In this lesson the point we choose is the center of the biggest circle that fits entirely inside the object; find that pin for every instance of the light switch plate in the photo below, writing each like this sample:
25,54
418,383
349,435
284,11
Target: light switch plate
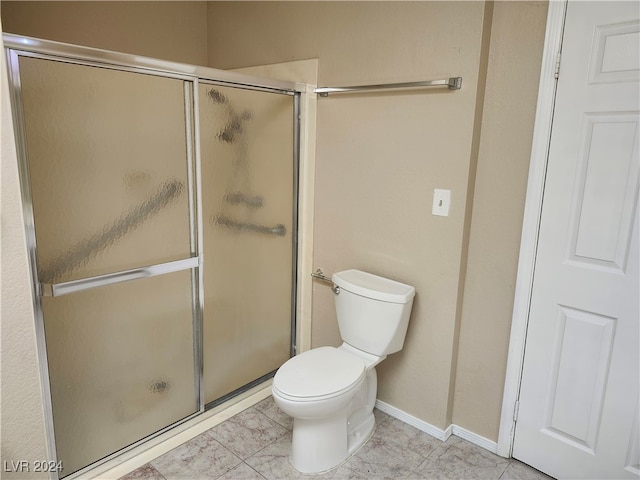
441,202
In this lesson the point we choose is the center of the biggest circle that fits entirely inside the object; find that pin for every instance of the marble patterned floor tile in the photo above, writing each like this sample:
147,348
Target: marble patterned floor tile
200,458
381,416
261,435
269,408
247,432
377,464
405,439
242,472
146,472
395,450
459,459
342,472
520,471
273,463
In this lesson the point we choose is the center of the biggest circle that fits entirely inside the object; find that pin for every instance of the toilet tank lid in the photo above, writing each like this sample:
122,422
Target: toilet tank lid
373,286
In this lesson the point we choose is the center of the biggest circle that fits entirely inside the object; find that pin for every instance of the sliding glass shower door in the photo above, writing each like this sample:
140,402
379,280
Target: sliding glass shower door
161,217
249,207
109,174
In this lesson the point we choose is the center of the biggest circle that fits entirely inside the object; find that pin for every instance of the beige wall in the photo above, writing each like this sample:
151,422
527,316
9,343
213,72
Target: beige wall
379,157
175,31
22,415
517,35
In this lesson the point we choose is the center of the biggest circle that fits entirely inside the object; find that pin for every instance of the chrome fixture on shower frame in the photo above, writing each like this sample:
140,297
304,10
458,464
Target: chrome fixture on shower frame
453,83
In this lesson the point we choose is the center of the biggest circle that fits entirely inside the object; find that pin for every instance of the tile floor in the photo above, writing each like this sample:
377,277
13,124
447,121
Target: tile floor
255,443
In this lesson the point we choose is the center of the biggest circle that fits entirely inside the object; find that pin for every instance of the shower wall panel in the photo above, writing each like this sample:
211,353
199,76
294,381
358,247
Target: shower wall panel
247,163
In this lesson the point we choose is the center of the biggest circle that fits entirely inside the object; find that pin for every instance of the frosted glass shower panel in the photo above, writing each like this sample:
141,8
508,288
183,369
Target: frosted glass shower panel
121,364
107,159
248,212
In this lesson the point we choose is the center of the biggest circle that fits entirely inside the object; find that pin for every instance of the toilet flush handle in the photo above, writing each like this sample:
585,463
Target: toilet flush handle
319,274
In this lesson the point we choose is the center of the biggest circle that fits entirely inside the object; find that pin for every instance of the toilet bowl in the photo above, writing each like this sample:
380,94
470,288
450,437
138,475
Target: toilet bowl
318,382
330,392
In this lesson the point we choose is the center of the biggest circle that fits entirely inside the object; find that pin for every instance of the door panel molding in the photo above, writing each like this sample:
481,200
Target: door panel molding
589,336
595,207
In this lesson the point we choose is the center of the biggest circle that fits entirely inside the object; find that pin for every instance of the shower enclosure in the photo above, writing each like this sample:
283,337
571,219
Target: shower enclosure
161,213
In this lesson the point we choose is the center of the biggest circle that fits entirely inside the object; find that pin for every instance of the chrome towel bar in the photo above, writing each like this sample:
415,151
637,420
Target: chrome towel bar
453,83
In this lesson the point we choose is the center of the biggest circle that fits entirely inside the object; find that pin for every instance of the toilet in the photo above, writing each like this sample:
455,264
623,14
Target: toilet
330,392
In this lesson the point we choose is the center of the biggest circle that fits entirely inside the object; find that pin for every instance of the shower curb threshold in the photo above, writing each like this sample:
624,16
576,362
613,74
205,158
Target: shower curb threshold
138,456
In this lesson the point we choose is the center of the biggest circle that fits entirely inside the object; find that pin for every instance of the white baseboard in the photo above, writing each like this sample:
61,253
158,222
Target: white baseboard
475,439
435,431
414,421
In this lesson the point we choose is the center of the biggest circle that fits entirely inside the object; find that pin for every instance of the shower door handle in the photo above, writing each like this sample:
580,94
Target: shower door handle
65,288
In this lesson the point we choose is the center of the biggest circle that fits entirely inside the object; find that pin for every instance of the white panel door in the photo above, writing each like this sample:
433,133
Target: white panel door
578,411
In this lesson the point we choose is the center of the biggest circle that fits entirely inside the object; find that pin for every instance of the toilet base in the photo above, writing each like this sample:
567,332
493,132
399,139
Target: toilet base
359,435
361,421
319,445
314,448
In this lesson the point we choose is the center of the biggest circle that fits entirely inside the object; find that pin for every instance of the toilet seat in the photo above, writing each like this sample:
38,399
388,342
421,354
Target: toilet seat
318,374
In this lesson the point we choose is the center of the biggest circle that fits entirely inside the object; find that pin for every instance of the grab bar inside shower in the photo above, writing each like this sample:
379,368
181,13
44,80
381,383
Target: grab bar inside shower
86,249
278,229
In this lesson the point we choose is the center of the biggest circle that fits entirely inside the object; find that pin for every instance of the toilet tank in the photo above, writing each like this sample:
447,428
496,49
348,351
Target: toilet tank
373,312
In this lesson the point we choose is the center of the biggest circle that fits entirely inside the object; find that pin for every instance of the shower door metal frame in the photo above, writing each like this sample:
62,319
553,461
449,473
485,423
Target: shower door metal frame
16,46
